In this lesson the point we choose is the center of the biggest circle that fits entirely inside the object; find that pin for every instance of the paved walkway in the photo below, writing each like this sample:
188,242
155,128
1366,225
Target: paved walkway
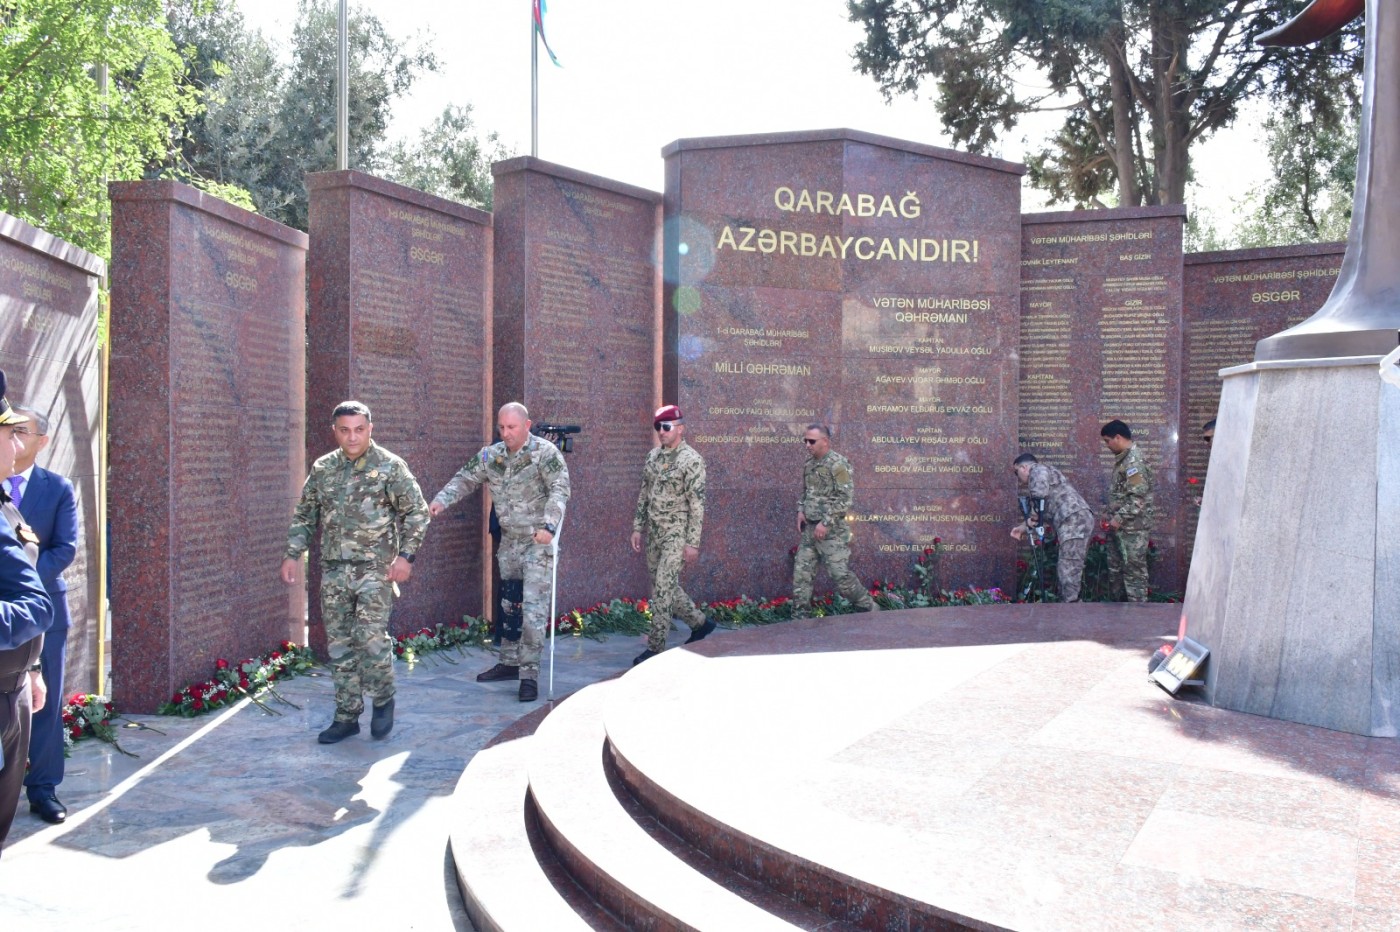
240,818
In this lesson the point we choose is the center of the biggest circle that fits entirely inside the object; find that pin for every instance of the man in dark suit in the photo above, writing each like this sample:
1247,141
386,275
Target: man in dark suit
25,611
45,499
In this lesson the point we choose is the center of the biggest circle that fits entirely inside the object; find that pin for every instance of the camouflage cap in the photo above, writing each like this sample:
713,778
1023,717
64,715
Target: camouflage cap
666,413
8,415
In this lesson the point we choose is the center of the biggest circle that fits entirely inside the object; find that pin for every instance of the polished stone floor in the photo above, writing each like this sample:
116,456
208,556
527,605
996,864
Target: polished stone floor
240,815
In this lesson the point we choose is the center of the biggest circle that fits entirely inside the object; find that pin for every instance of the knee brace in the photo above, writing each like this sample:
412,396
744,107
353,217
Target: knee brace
512,608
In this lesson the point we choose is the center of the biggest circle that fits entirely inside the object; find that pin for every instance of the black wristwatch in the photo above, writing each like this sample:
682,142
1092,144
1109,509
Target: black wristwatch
549,527
410,557
37,668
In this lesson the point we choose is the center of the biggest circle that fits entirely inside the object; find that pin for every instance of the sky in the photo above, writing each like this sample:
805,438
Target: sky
639,74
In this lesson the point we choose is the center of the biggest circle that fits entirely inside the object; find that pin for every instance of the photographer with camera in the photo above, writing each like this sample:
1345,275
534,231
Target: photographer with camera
1049,495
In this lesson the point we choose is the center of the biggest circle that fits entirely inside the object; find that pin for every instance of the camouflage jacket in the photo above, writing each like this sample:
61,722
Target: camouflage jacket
672,499
529,487
1130,491
1070,514
828,488
369,510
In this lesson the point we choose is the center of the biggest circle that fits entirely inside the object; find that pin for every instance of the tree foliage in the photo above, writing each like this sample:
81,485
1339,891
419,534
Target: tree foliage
270,117
61,137
1139,81
448,160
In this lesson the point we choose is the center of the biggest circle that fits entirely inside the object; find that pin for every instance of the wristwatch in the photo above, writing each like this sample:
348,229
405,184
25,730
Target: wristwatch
35,669
410,557
549,527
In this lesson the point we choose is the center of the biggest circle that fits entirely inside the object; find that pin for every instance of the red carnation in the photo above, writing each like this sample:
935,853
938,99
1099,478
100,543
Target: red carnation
221,664
198,703
76,731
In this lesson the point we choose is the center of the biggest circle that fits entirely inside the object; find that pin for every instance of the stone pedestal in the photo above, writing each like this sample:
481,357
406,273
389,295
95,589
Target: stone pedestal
207,380
50,354
399,291
1297,564
578,341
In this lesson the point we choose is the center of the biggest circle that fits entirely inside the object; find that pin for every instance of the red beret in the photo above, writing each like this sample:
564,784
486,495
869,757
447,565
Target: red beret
666,413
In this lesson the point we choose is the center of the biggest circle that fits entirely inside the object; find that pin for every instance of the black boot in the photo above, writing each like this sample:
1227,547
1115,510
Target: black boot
499,672
382,721
702,632
338,731
529,691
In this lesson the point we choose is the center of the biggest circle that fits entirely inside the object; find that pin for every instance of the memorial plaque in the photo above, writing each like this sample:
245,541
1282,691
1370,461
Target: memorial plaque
1101,298
1234,299
399,289
49,351
863,282
577,340
206,435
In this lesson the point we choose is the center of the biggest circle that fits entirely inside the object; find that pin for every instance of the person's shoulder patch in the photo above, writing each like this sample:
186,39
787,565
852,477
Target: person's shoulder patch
841,473
1131,471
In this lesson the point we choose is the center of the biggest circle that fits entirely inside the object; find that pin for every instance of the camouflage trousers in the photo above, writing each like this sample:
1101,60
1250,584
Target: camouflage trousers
519,557
1127,565
1069,567
356,599
665,552
835,554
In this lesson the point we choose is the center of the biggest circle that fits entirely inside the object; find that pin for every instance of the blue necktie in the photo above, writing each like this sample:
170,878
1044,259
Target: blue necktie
15,495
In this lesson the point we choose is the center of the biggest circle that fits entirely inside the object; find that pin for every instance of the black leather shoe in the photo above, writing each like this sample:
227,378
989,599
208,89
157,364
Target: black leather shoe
338,731
529,691
702,632
382,721
644,655
45,802
499,672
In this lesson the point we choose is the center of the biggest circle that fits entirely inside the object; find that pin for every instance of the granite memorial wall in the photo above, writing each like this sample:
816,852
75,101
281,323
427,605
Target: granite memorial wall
1234,299
400,288
577,339
206,434
1101,306
49,308
862,282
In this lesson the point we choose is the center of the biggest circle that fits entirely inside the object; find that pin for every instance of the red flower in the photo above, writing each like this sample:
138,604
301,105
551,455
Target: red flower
937,541
174,700
76,731
221,664
243,682
1022,566
198,704
275,655
1103,525
928,551
1193,481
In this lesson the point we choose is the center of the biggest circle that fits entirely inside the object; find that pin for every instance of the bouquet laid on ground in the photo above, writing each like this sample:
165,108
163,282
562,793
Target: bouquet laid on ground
248,679
88,715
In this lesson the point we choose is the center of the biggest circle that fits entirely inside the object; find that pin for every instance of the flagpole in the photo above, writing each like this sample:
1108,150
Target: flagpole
342,87
534,87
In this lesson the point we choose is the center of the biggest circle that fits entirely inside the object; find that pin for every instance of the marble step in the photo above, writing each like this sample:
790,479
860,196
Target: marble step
632,872
508,877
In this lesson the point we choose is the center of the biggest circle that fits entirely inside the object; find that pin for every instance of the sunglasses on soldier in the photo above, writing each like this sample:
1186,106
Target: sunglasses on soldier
667,426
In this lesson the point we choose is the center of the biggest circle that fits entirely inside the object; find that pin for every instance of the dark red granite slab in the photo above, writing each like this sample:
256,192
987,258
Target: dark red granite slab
49,351
206,427
850,279
1101,299
578,341
1233,299
399,289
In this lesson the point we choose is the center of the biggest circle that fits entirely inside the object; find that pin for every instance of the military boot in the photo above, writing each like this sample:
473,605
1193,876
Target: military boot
529,691
499,672
338,731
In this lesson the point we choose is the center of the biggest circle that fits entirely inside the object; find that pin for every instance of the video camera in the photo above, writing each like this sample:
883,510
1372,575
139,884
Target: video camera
558,434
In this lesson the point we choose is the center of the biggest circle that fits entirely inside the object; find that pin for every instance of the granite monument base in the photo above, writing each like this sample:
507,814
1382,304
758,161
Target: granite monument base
1295,567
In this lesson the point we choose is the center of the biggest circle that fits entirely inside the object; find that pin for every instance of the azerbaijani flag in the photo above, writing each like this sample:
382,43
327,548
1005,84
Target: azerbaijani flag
539,11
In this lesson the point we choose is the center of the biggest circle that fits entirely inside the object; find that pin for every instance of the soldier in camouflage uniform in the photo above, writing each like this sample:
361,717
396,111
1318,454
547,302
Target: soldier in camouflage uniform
1071,516
671,509
372,518
828,488
529,487
1130,513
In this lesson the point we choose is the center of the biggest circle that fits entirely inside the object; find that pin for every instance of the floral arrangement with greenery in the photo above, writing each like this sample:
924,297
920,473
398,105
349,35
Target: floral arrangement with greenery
250,679
88,715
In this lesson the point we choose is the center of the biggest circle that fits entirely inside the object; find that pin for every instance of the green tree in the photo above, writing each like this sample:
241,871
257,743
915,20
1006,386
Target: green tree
270,121
448,160
1308,196
61,137
1139,81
